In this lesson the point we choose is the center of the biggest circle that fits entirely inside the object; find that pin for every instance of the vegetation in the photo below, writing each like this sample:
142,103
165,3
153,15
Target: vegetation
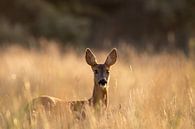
42,45
156,25
146,91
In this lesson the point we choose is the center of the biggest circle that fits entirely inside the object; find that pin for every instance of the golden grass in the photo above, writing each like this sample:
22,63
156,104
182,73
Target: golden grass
146,91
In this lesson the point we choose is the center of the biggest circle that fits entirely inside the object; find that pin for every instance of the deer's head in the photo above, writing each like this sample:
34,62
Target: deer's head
101,71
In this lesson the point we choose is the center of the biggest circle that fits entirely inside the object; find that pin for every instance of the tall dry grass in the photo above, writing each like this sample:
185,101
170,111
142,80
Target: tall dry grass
146,91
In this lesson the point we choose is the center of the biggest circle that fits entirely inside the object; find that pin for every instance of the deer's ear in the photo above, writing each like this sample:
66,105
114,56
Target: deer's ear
112,57
90,57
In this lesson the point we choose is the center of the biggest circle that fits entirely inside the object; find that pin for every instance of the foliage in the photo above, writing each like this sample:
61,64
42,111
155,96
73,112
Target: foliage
154,24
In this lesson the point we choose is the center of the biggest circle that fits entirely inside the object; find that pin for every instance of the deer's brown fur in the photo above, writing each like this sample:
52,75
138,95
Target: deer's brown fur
52,105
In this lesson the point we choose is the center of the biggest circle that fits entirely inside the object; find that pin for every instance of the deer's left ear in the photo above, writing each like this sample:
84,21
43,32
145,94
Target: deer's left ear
112,57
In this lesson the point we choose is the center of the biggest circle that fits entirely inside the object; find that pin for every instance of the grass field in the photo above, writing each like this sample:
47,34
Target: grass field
146,91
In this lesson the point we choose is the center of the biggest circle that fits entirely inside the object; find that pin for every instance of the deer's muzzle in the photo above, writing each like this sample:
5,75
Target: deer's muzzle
102,82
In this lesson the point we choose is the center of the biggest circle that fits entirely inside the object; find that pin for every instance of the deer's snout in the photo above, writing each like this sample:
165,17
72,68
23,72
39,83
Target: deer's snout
102,82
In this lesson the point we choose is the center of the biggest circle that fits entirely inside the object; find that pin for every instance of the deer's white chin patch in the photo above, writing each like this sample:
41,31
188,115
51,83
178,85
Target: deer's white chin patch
103,86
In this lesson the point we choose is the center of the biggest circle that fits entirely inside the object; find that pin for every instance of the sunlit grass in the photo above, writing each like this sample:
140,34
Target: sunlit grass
146,91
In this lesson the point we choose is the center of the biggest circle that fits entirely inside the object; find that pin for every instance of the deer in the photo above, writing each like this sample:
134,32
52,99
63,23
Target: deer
99,97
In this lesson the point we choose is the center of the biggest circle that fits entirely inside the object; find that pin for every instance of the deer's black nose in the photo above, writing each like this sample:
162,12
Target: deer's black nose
102,82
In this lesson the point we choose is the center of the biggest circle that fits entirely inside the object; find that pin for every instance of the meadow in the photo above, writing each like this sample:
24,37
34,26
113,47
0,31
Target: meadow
146,91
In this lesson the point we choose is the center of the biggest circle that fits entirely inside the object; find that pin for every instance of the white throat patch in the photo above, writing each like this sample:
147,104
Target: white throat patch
103,86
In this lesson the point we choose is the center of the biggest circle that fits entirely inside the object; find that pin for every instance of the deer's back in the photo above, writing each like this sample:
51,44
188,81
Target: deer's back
55,106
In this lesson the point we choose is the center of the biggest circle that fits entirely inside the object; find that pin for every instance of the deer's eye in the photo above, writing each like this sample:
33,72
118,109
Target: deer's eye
107,71
96,71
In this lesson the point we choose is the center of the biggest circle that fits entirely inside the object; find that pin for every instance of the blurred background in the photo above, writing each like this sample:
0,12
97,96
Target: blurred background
42,45
152,25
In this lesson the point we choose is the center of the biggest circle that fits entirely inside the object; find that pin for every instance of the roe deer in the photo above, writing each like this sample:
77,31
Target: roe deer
100,94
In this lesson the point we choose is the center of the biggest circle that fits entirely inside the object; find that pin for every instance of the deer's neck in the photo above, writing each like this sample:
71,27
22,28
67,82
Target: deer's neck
99,97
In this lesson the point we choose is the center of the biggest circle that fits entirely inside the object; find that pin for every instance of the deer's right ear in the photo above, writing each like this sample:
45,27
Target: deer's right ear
90,57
